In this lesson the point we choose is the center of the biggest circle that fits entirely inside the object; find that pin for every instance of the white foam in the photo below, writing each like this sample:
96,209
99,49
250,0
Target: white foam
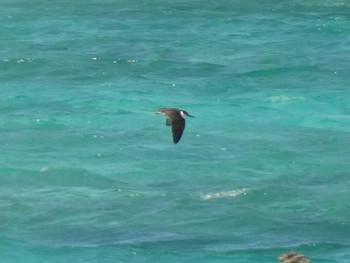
284,98
44,169
224,194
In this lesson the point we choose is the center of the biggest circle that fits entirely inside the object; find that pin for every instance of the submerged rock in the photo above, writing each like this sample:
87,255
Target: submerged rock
293,257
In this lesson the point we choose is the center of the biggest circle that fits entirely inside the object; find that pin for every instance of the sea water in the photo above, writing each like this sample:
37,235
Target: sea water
88,173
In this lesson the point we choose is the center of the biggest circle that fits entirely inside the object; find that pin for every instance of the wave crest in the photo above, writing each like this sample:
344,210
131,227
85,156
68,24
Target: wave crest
224,194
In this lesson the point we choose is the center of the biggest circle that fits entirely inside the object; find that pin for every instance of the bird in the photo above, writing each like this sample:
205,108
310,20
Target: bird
176,119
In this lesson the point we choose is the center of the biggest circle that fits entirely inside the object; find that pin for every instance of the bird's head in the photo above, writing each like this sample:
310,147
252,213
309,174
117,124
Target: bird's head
160,111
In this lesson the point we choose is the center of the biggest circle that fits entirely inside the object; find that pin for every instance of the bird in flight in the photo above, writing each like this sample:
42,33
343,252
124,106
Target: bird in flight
176,119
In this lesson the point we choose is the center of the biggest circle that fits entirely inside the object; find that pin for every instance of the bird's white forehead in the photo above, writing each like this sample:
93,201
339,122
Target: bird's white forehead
182,114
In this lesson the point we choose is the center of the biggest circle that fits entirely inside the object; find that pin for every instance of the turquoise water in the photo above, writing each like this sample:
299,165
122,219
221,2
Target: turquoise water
89,174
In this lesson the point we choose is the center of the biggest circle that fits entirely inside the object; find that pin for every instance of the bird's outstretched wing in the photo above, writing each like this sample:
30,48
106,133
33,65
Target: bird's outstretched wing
177,127
168,122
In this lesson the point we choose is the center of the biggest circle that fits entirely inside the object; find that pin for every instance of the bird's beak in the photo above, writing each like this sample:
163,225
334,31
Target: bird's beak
190,115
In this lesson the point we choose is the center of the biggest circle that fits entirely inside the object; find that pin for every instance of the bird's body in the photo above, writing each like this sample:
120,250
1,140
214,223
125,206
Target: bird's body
176,119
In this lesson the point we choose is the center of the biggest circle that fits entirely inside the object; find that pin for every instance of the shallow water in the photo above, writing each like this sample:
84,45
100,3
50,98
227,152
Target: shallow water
88,173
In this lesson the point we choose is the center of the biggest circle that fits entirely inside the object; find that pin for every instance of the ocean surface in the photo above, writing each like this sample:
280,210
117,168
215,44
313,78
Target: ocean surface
88,173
